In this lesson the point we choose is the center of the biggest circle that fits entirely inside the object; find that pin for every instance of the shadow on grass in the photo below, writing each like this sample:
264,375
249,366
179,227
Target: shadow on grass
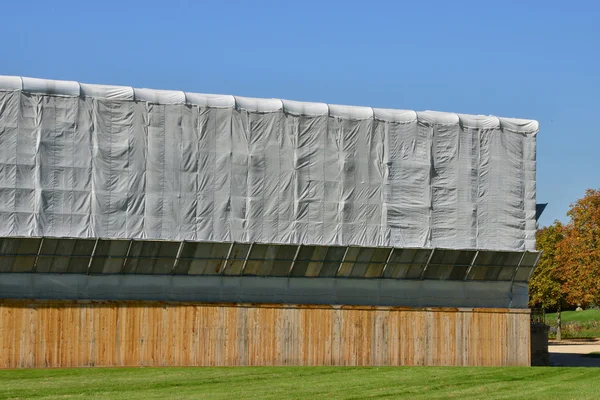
595,354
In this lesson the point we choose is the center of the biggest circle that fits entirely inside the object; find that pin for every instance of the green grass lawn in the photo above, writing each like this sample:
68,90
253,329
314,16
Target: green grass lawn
576,324
301,383
571,316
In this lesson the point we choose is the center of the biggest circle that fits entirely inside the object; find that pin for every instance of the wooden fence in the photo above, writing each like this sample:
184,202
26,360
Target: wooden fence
76,333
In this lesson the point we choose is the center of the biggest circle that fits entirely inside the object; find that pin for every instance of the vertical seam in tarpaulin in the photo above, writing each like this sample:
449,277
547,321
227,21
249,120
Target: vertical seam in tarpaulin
474,183
38,180
265,139
247,215
109,183
293,176
523,191
392,194
163,174
400,231
294,141
374,164
370,165
354,195
175,175
323,203
179,173
34,208
262,158
13,229
141,130
214,181
308,169
461,226
149,209
342,158
129,149
280,140
478,148
194,148
177,214
432,139
533,183
91,138
383,221
53,164
502,194
298,155
230,200
340,193
73,155
145,127
358,224
194,125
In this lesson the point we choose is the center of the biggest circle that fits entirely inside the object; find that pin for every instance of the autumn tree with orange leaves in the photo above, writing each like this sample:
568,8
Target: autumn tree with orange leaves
568,272
578,253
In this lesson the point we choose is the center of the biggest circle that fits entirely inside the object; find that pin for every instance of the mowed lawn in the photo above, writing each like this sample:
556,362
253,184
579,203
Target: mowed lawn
576,324
302,383
574,316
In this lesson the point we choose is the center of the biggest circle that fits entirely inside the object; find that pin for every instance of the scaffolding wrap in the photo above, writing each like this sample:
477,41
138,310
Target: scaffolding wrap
90,161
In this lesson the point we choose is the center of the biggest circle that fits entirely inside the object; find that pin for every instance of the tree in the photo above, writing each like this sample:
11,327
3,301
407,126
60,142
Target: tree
546,284
578,254
568,272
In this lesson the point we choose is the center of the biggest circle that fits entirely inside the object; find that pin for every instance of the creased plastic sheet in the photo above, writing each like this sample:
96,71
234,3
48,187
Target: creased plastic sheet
114,162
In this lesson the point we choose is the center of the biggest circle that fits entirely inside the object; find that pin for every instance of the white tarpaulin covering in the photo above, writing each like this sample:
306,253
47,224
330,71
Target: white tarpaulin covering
79,160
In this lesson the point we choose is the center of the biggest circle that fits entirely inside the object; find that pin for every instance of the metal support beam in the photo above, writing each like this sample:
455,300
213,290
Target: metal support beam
89,267
427,264
126,256
387,262
294,261
176,262
512,279
37,257
227,258
339,268
246,260
471,265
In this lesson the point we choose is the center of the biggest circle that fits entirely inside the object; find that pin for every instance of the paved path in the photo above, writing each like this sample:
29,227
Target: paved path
569,354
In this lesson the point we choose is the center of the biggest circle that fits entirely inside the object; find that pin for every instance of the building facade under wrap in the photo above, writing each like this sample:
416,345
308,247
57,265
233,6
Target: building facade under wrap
112,193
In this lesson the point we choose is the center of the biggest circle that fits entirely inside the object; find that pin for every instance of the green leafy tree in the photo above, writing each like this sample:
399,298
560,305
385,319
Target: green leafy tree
546,284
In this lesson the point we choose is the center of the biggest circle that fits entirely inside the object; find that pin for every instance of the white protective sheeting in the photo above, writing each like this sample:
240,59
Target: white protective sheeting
83,161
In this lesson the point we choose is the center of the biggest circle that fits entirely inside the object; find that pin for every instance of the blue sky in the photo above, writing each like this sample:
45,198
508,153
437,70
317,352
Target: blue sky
528,59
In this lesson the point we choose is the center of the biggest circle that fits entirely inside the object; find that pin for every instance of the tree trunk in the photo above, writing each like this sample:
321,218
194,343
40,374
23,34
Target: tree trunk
558,327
